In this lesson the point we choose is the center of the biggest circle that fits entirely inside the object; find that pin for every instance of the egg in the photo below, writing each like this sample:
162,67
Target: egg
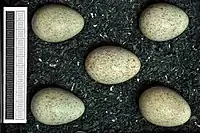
164,107
162,22
112,64
55,106
56,23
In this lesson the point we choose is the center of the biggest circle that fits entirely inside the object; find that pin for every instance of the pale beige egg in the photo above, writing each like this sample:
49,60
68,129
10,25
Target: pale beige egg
164,107
162,22
56,23
55,106
112,65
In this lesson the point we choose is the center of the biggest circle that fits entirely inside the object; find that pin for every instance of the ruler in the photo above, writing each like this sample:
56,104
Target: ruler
15,65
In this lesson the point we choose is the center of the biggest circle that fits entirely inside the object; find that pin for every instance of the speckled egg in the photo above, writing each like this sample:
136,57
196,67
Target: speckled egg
54,106
162,22
112,65
56,23
164,107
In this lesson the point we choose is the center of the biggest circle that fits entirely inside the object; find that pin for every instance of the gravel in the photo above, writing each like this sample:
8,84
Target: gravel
114,108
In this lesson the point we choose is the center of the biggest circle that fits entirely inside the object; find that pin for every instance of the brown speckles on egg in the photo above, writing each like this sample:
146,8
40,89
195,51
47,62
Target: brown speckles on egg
164,107
112,64
54,106
56,23
162,22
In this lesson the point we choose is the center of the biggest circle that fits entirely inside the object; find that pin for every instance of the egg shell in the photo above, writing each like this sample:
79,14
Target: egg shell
112,65
164,107
56,23
162,22
55,106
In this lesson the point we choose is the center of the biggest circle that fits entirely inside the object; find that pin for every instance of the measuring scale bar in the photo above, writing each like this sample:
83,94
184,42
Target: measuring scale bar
15,65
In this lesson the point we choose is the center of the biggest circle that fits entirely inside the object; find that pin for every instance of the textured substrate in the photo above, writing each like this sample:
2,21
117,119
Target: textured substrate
111,109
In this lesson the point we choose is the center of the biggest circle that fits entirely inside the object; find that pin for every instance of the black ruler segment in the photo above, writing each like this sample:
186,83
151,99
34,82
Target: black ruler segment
10,15
1,66
9,112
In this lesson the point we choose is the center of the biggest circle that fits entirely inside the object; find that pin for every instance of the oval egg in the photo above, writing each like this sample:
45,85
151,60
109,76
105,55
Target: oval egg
56,23
162,22
55,106
164,107
112,65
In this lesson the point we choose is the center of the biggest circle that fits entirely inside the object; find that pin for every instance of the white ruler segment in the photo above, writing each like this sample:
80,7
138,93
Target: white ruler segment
15,91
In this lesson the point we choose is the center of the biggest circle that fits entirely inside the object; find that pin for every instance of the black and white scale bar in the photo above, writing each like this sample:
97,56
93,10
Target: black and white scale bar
15,65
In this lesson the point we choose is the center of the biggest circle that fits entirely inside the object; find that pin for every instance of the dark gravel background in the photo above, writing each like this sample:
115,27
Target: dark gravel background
111,109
